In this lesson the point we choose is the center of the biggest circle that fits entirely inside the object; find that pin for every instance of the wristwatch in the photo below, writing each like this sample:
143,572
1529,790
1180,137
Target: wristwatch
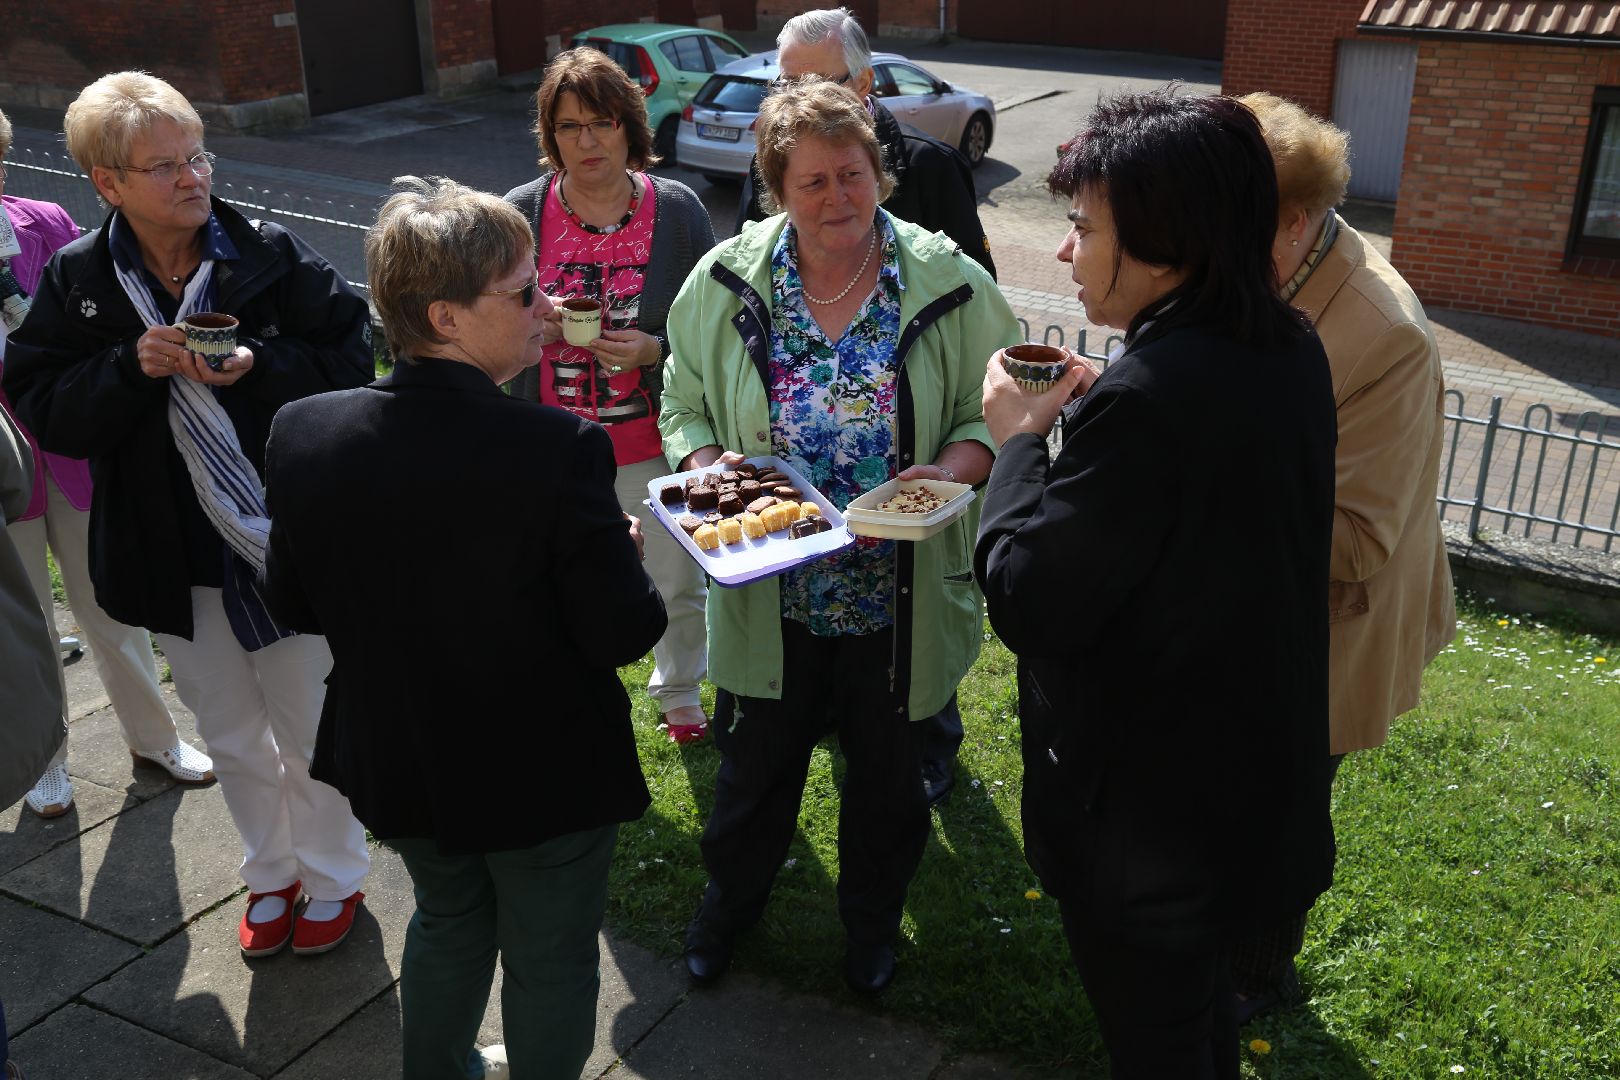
950,475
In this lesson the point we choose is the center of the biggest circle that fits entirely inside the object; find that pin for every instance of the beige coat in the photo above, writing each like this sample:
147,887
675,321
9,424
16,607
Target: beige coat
1390,600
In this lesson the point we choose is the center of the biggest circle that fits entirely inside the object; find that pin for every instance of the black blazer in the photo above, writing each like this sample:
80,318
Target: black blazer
1164,584
464,554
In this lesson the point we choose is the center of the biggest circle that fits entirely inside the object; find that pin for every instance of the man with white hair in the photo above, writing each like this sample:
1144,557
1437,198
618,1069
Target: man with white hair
933,182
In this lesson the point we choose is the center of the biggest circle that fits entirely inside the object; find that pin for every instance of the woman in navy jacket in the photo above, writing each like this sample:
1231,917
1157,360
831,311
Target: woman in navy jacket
1164,582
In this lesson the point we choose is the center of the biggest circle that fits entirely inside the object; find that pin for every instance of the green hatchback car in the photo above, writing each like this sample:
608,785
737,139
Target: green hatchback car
670,62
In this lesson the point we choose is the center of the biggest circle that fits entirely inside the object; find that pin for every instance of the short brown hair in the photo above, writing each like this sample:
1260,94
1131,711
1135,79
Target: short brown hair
437,240
1312,156
108,114
810,107
601,86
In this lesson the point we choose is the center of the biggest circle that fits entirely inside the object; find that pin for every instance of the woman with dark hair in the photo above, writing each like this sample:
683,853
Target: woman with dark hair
1175,799
607,229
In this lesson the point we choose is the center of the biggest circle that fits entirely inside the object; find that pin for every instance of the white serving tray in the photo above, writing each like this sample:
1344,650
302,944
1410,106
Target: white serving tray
747,561
865,519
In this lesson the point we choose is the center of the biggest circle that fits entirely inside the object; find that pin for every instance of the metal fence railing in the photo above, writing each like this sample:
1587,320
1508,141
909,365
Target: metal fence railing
1533,478
336,230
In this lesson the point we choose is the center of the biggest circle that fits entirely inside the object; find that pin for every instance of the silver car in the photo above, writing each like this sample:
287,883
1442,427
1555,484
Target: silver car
716,136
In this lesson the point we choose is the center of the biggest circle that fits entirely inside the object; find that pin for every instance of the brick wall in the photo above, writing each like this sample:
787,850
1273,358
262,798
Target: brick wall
463,32
215,52
1493,159
917,15
1287,47
568,17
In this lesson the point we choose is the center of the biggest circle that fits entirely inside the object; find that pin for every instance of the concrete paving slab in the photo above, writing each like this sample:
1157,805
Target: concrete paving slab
364,1048
46,960
638,990
748,1027
982,1067
143,874
25,836
262,1014
83,1044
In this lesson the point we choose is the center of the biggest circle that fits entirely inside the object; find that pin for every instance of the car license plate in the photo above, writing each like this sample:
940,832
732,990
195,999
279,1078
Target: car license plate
710,131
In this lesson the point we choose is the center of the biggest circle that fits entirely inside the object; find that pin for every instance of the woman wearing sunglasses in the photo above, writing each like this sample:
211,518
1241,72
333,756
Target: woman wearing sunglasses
606,229
500,864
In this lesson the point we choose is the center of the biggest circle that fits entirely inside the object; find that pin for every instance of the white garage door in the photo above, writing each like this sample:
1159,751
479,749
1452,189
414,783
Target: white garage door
1372,98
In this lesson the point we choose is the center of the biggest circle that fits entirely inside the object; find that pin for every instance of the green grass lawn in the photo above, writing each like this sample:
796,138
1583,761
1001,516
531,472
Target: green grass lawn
1474,927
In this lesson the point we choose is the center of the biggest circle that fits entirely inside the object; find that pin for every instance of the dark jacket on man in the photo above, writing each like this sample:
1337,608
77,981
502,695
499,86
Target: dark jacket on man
1164,584
465,556
933,187
73,377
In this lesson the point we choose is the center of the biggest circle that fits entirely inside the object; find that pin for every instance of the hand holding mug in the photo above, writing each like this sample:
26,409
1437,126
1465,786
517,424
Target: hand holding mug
158,351
1010,409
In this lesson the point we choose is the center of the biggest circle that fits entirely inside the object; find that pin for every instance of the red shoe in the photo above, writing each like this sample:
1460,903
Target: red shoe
268,938
318,937
688,733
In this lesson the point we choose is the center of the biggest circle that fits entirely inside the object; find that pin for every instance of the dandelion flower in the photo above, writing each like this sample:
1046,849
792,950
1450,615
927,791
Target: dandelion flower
1032,894
1501,622
1260,1046
1600,659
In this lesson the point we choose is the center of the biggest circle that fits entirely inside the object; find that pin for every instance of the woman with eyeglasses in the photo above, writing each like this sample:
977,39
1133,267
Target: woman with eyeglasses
500,865
607,230
178,524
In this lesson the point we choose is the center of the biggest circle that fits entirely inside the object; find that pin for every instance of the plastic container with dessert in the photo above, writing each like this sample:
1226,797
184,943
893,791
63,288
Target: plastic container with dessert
907,509
747,541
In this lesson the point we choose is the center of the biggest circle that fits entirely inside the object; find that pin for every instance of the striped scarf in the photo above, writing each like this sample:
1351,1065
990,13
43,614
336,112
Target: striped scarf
227,486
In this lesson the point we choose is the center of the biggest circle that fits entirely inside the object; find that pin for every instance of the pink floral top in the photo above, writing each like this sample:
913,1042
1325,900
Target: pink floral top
576,261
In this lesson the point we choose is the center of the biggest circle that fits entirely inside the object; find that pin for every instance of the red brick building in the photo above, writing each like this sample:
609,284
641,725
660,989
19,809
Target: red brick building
1509,167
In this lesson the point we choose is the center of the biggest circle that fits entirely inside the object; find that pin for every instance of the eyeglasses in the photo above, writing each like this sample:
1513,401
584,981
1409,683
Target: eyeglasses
782,82
571,131
166,172
524,293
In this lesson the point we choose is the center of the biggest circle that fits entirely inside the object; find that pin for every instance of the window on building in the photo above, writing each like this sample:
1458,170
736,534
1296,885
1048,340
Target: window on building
1596,230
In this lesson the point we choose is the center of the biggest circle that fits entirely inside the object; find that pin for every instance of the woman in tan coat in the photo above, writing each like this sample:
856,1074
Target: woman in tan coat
1390,601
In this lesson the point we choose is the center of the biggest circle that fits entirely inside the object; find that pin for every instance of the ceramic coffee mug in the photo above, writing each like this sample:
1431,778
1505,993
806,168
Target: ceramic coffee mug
581,320
1034,367
211,336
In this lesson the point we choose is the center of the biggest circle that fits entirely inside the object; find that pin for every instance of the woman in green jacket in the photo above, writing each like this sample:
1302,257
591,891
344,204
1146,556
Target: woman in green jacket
851,344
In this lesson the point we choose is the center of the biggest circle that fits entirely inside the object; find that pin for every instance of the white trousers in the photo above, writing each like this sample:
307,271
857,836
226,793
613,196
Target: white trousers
123,654
681,657
258,712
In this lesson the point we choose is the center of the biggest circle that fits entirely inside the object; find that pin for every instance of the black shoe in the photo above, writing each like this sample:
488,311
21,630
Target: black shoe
868,969
708,953
938,780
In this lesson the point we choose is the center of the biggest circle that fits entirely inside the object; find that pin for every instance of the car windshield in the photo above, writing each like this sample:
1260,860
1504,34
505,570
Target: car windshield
731,94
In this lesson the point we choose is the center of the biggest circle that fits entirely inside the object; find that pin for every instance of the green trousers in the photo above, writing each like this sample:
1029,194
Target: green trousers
540,909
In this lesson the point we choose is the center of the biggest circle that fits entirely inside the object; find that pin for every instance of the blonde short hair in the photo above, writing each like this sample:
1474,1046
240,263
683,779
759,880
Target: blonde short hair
1312,156
601,86
5,135
437,240
110,113
810,107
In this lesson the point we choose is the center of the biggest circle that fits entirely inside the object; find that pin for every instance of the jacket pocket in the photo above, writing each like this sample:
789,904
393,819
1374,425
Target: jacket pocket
1346,600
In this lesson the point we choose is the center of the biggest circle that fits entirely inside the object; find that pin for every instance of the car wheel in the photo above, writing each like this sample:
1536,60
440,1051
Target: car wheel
722,179
976,139
664,141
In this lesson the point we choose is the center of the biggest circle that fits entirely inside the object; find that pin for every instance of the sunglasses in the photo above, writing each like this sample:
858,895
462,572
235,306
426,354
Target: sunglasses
524,293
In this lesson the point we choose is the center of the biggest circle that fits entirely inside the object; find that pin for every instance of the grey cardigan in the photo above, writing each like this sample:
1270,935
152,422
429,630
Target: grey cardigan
682,234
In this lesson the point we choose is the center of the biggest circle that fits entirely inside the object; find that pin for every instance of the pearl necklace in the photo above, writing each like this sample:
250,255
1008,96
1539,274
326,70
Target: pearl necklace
864,263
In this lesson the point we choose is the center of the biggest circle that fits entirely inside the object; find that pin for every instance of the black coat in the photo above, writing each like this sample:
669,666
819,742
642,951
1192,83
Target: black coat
1164,584
72,375
933,187
464,554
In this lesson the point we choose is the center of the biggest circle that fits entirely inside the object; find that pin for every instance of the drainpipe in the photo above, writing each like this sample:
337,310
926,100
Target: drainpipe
942,20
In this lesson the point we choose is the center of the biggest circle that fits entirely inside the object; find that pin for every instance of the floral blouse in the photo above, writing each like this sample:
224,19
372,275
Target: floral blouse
833,418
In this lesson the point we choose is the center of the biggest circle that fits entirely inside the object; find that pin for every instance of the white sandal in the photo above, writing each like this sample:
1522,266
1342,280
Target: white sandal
185,763
53,795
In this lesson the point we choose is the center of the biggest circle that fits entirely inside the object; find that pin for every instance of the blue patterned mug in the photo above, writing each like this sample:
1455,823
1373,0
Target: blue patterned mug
211,336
